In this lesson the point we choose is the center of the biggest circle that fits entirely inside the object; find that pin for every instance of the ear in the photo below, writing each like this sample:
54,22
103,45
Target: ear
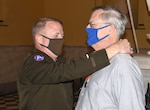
38,38
111,28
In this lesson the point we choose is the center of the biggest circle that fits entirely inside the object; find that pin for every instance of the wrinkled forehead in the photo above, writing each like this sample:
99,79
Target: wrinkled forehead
95,16
53,28
53,24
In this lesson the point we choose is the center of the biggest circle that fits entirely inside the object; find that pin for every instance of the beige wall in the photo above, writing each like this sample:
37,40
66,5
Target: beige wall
74,14
19,16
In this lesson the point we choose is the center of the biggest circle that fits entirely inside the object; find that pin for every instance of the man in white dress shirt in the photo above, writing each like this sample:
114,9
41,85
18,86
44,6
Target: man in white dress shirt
120,85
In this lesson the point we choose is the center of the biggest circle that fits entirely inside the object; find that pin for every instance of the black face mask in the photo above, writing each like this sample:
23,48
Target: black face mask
55,45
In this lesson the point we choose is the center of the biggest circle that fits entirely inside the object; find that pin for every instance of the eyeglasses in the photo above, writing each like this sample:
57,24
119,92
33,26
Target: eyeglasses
94,24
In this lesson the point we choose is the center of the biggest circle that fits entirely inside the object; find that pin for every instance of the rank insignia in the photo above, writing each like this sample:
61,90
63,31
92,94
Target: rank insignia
38,57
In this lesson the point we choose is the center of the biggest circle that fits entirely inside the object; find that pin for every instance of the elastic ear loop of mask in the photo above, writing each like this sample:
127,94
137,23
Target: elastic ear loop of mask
106,35
46,38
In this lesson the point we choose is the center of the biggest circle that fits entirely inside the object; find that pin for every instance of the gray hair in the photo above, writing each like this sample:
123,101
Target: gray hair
113,16
40,24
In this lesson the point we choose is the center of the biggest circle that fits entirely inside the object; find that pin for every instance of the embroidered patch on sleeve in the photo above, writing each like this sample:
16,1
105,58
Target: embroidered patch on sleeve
38,57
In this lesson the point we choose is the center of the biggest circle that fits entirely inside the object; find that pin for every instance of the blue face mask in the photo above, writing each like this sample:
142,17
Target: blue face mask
92,35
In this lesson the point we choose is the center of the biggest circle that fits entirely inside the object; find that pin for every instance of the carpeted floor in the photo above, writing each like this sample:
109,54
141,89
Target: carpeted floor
10,101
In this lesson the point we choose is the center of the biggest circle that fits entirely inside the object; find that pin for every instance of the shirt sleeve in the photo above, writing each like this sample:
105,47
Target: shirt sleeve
55,72
128,87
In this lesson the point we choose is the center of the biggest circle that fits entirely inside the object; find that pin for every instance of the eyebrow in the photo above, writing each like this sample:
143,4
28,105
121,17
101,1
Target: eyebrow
91,22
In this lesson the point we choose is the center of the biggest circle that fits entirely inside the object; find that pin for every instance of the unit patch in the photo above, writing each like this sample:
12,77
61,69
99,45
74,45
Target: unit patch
38,57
